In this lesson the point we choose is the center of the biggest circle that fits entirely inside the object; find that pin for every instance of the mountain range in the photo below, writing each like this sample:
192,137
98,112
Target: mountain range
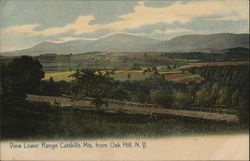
205,42
122,42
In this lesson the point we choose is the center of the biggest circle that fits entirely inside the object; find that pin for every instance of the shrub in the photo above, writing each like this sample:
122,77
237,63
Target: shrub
243,111
161,98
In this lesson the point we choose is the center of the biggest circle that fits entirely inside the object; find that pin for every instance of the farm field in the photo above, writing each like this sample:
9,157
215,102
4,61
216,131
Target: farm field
122,75
130,75
174,75
118,75
183,78
59,76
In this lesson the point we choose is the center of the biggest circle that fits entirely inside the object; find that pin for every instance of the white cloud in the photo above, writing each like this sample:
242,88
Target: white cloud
7,48
229,18
145,15
181,12
23,29
81,25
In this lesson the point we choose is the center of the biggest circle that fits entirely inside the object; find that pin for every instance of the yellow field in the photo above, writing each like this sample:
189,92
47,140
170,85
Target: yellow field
119,75
59,76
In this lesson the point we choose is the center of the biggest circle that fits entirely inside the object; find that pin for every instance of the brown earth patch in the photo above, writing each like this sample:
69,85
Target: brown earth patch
176,75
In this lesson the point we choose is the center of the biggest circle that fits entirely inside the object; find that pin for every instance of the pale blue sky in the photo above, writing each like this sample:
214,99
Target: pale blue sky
24,23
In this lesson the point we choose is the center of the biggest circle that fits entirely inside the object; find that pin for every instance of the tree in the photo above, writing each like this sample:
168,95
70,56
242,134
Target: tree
234,98
156,73
118,93
149,69
223,97
161,98
19,77
202,97
243,111
154,68
129,75
27,72
182,98
50,88
89,83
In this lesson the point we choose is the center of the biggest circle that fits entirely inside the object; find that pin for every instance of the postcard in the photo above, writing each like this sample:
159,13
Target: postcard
124,80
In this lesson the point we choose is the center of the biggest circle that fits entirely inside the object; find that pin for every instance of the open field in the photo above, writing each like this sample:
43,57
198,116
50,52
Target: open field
118,75
130,75
59,76
172,75
183,78
176,75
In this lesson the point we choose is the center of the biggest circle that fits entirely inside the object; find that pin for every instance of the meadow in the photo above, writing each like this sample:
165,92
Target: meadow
118,75
59,76
122,75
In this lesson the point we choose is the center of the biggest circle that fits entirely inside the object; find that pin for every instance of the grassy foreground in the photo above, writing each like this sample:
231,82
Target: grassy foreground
40,121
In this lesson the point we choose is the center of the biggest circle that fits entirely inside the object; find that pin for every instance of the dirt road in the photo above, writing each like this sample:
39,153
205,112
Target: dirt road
113,108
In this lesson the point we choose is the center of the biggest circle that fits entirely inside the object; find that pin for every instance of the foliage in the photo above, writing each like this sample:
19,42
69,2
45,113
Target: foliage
233,54
88,83
234,77
53,88
161,98
232,87
202,98
182,98
19,77
243,111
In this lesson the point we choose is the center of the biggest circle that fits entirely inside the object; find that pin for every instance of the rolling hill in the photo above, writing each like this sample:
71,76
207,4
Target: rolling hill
122,42
212,42
114,43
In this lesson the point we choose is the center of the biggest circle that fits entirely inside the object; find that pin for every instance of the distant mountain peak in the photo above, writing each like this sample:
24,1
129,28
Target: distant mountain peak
117,35
43,43
204,42
121,35
125,42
